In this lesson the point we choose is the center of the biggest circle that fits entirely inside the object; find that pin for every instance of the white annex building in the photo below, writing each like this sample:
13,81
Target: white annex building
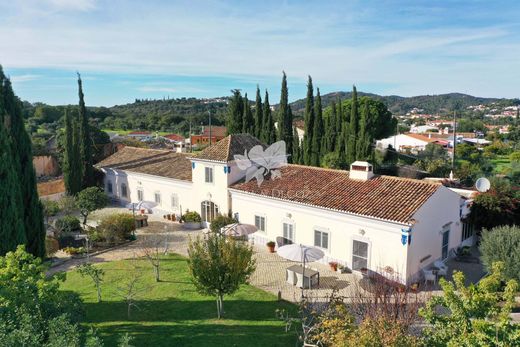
361,220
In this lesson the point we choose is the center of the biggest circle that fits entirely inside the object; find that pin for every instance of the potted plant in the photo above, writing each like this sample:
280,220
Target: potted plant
169,216
191,220
270,246
333,266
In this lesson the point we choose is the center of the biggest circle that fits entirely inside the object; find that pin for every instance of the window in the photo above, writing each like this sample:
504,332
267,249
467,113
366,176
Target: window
208,211
359,255
467,231
157,197
445,244
208,171
175,201
140,195
321,239
109,187
124,191
288,231
260,223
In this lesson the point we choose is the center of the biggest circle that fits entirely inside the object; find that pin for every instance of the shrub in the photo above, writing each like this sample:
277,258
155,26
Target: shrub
221,221
51,246
67,204
191,217
95,235
74,250
50,207
68,224
91,199
502,244
117,227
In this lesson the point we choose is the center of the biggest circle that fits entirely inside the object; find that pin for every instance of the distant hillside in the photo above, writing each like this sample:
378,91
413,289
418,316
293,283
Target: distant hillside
431,104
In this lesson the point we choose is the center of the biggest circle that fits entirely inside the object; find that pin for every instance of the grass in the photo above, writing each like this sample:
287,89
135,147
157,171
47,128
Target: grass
172,313
501,164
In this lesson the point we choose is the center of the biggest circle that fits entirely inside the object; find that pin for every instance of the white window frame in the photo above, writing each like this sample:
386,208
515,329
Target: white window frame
468,230
261,216
155,195
174,201
293,230
369,249
445,231
140,191
322,231
212,168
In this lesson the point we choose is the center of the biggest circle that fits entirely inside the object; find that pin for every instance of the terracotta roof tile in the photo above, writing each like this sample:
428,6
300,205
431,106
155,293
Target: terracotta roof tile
225,149
150,161
383,197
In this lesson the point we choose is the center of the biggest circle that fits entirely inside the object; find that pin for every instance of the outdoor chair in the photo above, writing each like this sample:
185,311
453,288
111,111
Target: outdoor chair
442,268
429,276
282,241
290,277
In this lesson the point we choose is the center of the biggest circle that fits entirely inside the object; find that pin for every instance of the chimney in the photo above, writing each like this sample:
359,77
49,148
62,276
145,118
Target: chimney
361,170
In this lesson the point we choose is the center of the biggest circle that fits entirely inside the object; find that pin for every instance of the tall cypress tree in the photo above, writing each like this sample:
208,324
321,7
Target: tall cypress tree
85,143
364,142
285,118
258,114
353,128
296,158
309,123
268,133
32,210
71,167
317,137
339,119
248,123
12,230
330,132
235,113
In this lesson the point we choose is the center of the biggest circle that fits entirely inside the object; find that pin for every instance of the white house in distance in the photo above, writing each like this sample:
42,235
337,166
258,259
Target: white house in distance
359,219
402,142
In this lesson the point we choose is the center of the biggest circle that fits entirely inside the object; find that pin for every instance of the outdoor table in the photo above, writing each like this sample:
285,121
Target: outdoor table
311,276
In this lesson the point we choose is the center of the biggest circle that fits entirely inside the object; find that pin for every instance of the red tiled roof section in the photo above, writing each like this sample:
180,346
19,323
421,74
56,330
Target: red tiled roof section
216,131
383,197
420,137
225,149
174,137
149,161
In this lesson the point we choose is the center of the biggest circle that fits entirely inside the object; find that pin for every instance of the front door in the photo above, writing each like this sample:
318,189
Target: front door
445,244
359,255
208,211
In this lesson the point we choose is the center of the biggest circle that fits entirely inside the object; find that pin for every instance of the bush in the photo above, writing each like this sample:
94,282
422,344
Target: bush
74,250
502,244
67,204
95,235
117,227
191,217
221,221
50,207
68,224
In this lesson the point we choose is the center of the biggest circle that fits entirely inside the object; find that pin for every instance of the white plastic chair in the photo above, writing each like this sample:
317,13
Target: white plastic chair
299,280
443,268
429,276
290,276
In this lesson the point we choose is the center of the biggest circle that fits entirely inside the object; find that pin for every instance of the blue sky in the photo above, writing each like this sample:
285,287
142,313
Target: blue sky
152,49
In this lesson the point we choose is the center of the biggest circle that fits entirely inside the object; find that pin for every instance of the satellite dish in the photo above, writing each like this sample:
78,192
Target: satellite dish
483,184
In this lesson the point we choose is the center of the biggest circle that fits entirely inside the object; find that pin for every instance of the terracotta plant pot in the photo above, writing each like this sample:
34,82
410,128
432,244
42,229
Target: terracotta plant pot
169,216
270,246
333,266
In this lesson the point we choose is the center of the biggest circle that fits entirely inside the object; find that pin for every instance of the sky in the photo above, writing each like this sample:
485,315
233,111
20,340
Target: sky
153,49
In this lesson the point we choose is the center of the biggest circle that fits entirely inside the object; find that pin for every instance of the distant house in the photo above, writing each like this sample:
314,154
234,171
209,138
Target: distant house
217,134
174,138
423,129
402,142
139,134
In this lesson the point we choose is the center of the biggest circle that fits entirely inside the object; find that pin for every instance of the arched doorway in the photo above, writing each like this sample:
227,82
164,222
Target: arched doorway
208,211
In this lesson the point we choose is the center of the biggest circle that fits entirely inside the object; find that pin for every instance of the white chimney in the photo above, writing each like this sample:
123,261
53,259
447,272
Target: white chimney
361,170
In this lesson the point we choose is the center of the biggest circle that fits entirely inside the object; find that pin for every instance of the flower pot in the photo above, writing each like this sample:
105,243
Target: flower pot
333,266
142,211
169,216
271,249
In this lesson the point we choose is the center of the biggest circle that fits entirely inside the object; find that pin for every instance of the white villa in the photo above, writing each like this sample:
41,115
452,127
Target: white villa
360,220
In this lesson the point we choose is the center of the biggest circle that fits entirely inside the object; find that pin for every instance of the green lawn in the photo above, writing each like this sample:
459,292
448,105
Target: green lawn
502,164
172,313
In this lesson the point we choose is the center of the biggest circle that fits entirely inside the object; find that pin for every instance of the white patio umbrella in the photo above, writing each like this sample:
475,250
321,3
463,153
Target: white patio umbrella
147,205
300,253
238,229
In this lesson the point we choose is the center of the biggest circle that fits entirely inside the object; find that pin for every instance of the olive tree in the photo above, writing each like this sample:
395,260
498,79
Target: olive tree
96,275
91,199
502,244
219,265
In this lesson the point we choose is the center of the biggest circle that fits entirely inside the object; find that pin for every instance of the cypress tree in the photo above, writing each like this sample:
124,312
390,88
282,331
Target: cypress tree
296,147
339,119
316,147
364,142
248,123
269,134
85,142
235,113
353,128
31,210
309,123
285,118
330,131
71,169
258,114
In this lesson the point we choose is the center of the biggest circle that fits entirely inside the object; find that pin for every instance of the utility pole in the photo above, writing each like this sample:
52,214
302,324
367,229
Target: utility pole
454,139
189,135
209,115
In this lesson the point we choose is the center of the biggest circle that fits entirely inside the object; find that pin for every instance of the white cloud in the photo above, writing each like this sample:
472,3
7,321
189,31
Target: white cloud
75,5
24,78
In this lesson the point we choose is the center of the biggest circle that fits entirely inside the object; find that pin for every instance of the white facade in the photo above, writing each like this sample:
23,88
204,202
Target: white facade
401,142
